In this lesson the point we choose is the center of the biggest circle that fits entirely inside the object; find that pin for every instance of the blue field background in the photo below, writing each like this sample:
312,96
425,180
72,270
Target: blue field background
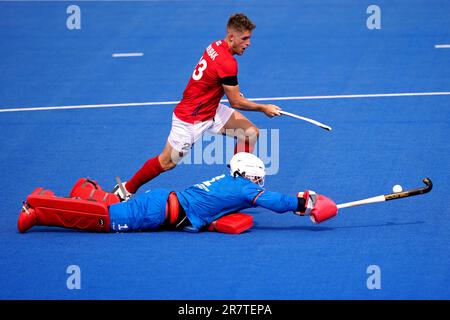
299,48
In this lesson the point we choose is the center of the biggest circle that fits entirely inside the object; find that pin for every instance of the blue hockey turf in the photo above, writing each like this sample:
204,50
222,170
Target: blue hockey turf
314,51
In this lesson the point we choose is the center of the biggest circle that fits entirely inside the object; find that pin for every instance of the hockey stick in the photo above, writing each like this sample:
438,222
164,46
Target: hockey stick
317,123
391,196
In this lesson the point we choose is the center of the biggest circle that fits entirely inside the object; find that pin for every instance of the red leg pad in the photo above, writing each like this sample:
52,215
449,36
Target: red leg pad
43,192
69,213
234,223
88,189
28,216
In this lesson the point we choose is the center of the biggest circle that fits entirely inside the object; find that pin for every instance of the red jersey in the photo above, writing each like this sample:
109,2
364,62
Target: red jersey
204,89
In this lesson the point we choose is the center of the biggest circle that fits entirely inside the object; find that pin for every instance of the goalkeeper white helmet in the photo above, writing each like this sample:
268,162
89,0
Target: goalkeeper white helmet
248,166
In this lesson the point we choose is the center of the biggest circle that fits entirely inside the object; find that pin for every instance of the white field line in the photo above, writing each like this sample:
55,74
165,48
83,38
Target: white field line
442,46
131,54
88,0
160,103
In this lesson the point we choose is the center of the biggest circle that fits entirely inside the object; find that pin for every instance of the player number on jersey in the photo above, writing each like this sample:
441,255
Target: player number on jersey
205,184
198,71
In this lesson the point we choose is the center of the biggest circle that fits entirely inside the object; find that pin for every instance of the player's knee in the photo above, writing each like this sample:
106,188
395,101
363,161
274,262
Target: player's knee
252,132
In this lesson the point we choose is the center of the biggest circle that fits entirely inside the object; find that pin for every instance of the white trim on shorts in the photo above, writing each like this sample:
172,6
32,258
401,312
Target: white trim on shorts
184,134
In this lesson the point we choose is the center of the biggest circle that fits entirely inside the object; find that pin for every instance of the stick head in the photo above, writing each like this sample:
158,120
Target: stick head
429,185
412,192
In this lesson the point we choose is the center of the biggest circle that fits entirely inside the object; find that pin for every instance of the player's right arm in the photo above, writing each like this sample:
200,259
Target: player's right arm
227,73
308,203
256,196
237,101
275,201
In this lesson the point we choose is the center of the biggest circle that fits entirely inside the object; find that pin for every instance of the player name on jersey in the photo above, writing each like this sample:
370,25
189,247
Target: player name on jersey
211,52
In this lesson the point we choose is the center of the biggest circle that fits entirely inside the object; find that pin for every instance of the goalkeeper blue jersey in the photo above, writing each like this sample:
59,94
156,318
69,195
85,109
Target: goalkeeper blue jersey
207,201
203,203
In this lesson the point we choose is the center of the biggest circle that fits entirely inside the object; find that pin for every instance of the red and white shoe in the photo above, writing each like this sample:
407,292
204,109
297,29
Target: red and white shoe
122,192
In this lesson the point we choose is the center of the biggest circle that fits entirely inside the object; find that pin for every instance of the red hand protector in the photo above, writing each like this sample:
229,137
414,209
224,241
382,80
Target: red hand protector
324,209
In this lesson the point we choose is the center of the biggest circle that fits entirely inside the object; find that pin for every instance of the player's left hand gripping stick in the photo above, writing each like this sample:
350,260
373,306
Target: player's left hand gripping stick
318,207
